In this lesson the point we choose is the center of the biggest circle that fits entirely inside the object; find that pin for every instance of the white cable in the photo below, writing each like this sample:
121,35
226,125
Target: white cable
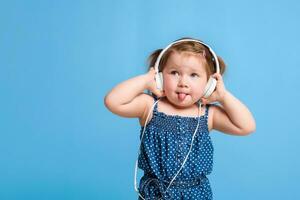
199,111
144,128
141,140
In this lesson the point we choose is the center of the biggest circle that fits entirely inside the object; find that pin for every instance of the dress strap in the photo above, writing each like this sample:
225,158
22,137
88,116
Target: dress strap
206,110
155,98
155,106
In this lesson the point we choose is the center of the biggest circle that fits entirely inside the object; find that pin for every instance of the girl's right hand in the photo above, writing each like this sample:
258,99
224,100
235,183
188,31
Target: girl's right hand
151,84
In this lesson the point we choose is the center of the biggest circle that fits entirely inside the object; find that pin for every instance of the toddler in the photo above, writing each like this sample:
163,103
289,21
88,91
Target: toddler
185,82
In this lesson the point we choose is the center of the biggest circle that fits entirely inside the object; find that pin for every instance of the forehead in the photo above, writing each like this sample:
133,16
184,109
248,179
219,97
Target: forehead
186,61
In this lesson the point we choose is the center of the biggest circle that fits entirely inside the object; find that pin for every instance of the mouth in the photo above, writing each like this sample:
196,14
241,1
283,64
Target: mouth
181,96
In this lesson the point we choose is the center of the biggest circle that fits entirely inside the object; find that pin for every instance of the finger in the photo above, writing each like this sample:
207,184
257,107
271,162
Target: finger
217,76
163,93
204,101
158,93
152,69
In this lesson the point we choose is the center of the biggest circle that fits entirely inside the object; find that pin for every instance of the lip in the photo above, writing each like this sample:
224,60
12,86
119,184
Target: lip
182,93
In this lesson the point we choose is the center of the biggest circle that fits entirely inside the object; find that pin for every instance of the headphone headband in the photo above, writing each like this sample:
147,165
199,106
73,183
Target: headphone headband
215,58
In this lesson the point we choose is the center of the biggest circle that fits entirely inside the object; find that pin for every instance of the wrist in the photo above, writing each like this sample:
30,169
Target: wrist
147,81
223,97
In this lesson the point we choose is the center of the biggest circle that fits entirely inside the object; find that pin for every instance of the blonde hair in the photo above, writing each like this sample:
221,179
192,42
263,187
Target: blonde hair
187,46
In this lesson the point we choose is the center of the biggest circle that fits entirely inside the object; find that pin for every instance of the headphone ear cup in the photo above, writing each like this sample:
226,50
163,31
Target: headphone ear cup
159,81
210,87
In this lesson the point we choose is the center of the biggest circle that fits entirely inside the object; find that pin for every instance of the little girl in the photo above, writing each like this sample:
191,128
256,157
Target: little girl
176,152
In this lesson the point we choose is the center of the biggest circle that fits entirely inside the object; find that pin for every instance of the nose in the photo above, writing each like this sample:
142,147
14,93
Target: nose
182,82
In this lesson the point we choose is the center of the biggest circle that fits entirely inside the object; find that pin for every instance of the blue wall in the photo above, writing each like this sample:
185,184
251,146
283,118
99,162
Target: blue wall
60,58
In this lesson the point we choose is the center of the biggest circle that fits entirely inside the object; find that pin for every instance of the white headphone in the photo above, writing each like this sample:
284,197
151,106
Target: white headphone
212,82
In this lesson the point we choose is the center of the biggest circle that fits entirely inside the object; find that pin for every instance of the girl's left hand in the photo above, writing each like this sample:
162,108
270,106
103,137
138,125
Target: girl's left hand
219,93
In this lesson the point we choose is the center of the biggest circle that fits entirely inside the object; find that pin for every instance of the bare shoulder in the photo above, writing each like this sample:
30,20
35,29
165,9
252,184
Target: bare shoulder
214,116
148,100
143,102
211,111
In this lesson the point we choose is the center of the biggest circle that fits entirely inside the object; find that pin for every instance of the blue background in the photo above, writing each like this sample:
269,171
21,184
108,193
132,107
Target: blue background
60,58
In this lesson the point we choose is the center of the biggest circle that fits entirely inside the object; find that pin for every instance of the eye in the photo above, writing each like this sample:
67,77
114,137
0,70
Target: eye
174,73
194,75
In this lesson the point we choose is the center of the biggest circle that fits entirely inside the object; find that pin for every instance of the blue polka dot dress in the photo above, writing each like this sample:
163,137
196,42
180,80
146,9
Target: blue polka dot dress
165,144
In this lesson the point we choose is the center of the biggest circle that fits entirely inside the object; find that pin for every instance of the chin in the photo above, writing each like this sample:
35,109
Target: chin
181,104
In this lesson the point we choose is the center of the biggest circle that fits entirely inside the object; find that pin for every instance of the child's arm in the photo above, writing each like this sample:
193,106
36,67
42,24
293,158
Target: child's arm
127,98
233,116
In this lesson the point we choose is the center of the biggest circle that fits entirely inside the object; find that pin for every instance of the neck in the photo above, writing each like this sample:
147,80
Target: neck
176,107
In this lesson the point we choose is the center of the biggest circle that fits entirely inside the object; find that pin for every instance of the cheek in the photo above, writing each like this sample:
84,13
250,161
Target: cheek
168,83
199,87
170,87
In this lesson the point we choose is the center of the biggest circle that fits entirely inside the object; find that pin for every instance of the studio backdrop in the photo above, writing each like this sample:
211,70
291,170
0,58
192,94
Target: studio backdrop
60,58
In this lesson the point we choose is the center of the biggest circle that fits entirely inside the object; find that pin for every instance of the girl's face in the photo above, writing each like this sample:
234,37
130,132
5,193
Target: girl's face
184,78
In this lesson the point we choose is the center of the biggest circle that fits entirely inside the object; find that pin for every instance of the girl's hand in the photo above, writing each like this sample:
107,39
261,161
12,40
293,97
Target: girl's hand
219,93
151,84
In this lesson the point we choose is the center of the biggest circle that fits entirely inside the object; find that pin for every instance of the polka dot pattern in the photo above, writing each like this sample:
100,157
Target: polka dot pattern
165,144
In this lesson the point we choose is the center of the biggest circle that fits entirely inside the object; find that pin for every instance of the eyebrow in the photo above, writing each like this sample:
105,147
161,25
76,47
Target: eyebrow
192,69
